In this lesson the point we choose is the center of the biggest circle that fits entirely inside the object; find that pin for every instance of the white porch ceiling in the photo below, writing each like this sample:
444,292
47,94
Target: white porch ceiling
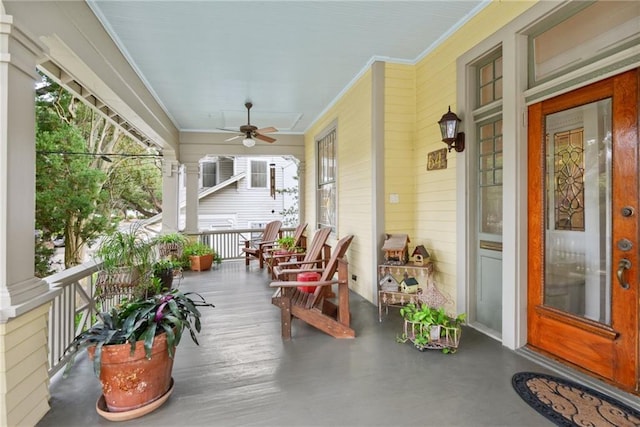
203,60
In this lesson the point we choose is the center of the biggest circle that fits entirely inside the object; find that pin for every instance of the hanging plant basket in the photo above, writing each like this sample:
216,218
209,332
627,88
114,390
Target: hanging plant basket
170,250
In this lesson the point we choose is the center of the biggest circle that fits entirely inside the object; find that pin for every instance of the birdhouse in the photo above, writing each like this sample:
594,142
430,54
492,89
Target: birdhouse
396,249
388,283
409,285
420,255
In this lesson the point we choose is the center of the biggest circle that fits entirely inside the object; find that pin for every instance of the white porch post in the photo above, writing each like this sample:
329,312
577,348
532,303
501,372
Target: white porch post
170,192
193,175
24,299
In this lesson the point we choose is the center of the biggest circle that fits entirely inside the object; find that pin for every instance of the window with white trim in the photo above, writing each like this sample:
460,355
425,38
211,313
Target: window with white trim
209,174
326,180
258,174
489,139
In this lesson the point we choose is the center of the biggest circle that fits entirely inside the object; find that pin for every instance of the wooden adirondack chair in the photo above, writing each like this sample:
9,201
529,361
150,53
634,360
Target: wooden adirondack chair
254,249
315,308
270,255
317,252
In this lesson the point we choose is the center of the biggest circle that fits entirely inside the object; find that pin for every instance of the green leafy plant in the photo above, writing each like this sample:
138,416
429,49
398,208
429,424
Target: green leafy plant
286,242
171,238
143,319
428,327
126,249
164,266
197,249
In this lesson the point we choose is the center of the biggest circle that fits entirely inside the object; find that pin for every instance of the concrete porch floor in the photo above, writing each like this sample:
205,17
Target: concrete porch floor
243,373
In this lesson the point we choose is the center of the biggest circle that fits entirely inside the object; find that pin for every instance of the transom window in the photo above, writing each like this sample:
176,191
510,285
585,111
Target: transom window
326,192
490,79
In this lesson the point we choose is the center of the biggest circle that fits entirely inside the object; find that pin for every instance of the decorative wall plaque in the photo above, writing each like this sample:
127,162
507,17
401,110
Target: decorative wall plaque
437,160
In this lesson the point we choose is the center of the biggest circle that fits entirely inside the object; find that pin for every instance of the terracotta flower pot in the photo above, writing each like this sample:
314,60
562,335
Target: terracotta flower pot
132,381
201,262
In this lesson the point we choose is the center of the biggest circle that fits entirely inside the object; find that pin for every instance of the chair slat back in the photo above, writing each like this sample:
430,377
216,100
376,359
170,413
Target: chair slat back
338,253
332,266
297,235
314,250
271,231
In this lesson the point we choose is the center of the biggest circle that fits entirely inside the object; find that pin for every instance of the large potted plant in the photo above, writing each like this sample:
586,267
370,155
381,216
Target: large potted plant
133,347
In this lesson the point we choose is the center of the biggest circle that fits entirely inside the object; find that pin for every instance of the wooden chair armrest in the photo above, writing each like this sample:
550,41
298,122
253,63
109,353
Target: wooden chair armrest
287,255
295,284
291,271
285,264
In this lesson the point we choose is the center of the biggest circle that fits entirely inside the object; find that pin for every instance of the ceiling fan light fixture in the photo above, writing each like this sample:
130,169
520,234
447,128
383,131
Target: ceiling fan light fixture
248,142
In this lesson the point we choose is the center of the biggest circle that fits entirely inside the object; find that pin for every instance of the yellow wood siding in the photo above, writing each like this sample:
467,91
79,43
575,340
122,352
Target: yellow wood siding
352,113
416,97
435,194
399,135
23,368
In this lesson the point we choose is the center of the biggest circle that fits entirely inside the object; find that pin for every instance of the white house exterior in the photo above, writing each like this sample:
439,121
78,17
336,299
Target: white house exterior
236,192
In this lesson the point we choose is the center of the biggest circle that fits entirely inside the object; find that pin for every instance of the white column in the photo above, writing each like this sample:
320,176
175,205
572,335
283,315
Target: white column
24,299
170,192
20,291
193,183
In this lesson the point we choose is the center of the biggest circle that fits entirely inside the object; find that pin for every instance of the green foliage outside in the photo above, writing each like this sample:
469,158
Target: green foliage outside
81,194
290,216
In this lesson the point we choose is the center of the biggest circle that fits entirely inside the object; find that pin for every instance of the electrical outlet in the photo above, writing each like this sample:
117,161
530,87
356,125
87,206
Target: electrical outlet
354,277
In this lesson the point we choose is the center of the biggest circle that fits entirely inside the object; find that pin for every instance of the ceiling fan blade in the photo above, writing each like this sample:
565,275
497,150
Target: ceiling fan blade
233,137
228,130
270,129
264,137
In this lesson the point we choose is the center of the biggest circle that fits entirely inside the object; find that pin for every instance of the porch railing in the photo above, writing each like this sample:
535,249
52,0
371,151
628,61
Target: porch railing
72,311
75,309
228,244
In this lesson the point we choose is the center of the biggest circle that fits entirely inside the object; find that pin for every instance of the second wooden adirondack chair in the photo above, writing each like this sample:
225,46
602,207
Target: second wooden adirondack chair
254,249
271,256
313,256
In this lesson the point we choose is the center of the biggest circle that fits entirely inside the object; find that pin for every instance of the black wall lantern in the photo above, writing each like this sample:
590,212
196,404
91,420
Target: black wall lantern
449,128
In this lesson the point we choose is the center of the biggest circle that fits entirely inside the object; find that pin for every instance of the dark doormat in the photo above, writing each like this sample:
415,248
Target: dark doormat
566,403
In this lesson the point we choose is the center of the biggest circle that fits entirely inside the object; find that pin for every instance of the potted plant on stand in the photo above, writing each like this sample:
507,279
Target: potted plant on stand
430,328
163,269
126,257
133,347
170,245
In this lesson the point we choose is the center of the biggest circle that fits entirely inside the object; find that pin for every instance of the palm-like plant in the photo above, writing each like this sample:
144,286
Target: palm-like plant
142,320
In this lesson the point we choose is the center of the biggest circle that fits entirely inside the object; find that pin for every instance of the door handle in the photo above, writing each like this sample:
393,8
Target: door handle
623,265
